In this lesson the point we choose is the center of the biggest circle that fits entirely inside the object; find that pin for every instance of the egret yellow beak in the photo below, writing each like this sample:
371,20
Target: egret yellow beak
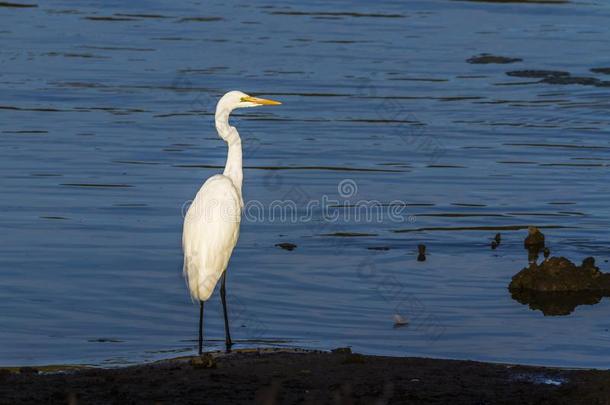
260,101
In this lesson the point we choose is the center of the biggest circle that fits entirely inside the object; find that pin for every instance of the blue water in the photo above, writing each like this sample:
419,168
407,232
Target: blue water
106,133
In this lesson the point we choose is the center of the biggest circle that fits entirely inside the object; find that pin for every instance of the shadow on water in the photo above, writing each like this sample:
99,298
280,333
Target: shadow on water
557,303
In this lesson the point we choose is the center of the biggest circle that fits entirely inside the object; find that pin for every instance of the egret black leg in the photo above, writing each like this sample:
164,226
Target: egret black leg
223,297
200,327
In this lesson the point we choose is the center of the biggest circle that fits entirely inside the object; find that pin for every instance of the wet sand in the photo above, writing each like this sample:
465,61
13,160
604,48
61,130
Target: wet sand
294,376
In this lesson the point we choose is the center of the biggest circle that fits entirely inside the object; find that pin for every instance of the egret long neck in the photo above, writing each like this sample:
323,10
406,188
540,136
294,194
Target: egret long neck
233,167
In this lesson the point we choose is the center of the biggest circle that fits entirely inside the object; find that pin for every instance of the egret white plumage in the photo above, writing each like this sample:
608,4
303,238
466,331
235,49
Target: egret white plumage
211,224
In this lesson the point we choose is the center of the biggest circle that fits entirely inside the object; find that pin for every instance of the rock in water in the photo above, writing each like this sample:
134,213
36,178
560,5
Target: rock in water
559,274
605,71
558,286
421,257
589,262
486,58
538,73
496,242
286,246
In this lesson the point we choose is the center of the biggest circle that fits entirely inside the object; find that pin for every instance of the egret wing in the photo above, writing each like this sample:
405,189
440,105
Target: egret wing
211,230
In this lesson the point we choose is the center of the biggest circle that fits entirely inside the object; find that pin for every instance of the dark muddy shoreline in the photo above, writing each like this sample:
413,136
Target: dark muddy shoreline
295,376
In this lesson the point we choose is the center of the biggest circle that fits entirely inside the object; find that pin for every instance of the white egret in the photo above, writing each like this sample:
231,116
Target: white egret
211,224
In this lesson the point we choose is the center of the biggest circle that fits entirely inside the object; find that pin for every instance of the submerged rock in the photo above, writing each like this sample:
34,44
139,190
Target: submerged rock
538,74
286,246
563,78
521,1
582,80
603,70
486,58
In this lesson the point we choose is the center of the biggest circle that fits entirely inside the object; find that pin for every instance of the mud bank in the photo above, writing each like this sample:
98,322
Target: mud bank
278,377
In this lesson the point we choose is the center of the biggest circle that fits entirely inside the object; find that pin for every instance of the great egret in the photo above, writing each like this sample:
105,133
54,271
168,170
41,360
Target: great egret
211,224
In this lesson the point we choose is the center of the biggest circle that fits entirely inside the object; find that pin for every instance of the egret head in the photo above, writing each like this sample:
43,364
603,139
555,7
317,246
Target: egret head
238,99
